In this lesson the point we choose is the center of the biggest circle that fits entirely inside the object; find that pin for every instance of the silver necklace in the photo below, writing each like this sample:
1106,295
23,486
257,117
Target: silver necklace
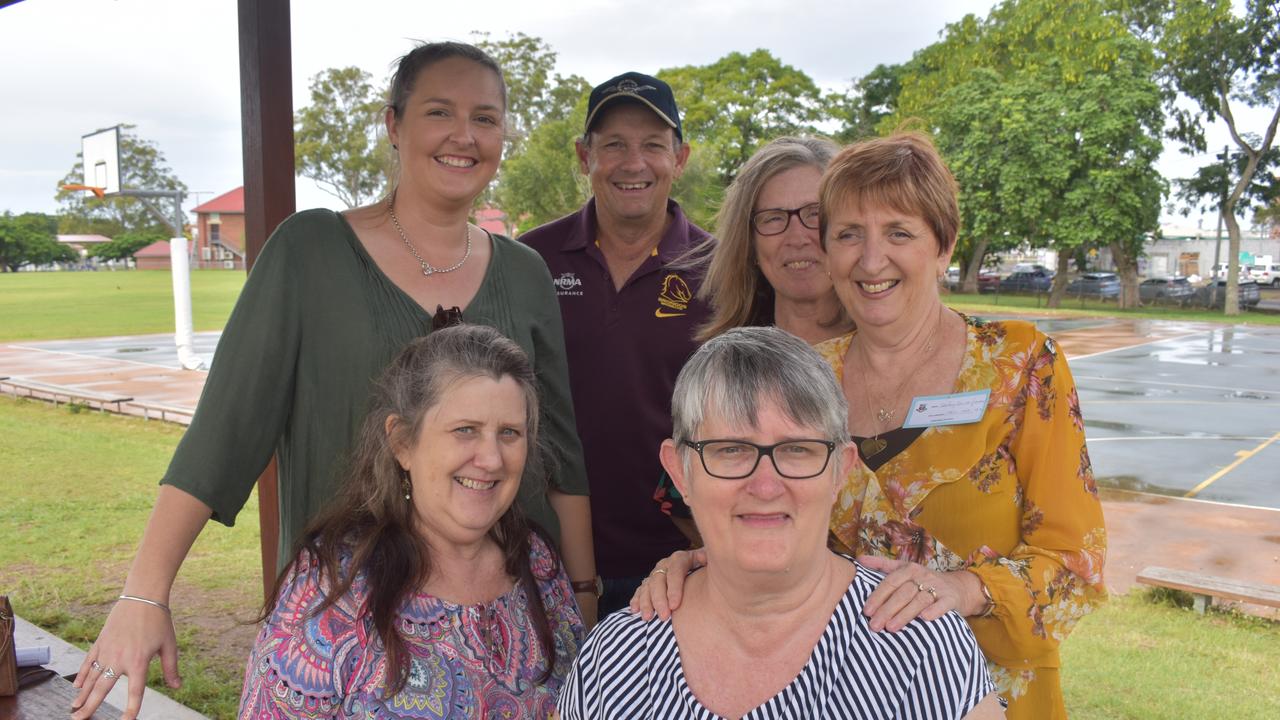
427,268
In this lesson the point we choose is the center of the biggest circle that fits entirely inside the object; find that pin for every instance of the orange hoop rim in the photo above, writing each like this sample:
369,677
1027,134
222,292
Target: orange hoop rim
100,192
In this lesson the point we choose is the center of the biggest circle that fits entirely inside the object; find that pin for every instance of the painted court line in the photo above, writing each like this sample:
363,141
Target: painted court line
93,357
1093,441
1240,458
1173,384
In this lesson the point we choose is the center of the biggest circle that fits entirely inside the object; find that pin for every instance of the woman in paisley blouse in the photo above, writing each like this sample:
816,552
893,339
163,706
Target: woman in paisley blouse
975,491
422,592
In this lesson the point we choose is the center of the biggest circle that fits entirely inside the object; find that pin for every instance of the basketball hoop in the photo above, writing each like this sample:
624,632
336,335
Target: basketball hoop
100,192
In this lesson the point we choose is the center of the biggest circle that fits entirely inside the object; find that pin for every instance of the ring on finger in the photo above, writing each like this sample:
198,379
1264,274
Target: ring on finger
920,587
108,673
659,571
932,591
96,665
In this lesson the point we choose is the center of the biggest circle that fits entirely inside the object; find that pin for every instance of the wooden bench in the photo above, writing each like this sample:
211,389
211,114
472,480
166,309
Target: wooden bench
56,393
164,411
1205,587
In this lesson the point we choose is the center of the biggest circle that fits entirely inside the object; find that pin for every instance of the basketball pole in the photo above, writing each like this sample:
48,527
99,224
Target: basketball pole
180,269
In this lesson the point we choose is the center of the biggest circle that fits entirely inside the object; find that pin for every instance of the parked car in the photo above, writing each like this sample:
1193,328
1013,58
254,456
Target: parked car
988,282
1265,274
1219,271
1027,281
1173,290
1248,293
1095,284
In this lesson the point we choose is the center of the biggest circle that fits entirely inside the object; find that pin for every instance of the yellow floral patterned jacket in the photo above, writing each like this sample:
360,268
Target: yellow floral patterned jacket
1010,497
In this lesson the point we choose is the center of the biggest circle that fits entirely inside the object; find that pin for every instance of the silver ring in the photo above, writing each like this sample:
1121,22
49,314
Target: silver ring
96,665
659,571
108,672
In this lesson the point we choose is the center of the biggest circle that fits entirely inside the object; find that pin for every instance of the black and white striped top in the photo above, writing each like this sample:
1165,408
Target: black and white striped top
629,669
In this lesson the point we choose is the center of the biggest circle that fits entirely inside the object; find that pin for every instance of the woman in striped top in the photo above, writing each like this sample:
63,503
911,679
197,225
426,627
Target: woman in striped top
772,627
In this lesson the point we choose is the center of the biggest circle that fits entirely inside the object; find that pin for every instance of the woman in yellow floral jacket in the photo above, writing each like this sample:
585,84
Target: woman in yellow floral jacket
975,491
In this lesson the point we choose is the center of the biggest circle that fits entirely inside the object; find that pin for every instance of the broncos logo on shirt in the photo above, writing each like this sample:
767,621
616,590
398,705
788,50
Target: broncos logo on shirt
673,299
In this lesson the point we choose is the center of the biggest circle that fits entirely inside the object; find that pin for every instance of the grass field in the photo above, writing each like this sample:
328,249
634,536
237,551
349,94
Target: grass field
78,488
56,305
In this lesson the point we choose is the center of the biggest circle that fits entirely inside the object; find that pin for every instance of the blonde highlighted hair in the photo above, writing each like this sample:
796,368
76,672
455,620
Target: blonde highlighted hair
733,285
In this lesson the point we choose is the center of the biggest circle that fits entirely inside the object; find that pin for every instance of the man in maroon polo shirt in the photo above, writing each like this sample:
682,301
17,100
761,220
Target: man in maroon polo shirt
629,317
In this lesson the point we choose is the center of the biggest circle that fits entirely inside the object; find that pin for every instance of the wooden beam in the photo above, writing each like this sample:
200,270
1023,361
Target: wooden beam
266,113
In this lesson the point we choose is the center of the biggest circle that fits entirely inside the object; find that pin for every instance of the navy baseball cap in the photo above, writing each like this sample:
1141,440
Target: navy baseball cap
636,87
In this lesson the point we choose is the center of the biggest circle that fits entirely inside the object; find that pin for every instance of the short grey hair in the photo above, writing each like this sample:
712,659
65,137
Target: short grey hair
734,373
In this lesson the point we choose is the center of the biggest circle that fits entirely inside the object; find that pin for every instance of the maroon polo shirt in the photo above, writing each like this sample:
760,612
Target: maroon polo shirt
625,349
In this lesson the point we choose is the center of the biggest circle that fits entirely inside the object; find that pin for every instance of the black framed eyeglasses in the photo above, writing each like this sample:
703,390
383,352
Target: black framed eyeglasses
736,459
774,221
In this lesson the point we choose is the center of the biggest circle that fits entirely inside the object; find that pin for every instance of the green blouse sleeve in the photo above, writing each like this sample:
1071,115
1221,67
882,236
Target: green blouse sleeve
245,404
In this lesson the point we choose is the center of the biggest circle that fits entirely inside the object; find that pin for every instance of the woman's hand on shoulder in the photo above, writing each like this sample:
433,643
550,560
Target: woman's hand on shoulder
988,709
911,590
662,591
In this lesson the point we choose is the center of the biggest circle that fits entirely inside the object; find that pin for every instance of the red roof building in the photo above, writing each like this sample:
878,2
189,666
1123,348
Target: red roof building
220,232
154,256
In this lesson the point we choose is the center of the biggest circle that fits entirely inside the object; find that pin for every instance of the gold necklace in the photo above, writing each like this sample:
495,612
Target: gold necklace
427,268
873,445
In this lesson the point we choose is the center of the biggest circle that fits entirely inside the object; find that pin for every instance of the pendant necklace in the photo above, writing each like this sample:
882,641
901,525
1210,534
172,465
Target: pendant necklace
427,268
875,444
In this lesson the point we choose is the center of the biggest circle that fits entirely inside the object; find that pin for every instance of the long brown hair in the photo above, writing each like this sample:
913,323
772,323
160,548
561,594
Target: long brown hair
735,287
370,520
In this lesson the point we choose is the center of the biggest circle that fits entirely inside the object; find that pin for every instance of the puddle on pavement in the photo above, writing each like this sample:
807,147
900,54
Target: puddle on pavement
1247,395
1145,392
1110,425
1133,483
135,349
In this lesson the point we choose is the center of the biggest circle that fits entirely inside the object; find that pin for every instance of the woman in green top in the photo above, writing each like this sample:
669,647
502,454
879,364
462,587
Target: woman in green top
330,301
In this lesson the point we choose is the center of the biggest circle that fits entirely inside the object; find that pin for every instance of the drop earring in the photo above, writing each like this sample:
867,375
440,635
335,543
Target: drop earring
405,485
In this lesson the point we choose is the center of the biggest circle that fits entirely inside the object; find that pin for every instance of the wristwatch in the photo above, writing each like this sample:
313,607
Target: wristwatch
595,586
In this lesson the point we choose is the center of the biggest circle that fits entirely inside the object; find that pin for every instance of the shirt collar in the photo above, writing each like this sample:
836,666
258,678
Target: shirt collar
674,241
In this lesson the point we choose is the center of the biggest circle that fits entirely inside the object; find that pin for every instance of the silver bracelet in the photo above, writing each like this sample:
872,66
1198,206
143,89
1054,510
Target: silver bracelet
135,598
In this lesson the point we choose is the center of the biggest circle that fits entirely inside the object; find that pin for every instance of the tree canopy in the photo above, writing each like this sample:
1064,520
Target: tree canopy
338,139
30,239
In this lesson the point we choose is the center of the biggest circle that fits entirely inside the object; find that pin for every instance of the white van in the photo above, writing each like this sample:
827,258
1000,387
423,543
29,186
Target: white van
1266,274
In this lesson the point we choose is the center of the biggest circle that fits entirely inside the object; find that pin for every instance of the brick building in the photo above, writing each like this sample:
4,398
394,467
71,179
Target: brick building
220,232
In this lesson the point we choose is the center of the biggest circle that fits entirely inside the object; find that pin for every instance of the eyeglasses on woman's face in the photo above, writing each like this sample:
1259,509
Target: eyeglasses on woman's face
737,459
774,221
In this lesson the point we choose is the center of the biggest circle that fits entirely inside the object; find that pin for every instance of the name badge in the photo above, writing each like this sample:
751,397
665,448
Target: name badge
956,409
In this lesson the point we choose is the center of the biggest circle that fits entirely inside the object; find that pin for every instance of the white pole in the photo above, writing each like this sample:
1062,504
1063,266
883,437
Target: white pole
183,335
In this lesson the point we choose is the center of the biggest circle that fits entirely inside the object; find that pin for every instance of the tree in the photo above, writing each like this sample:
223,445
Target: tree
142,167
543,182
30,239
535,93
126,245
1221,62
338,142
872,98
1050,119
736,104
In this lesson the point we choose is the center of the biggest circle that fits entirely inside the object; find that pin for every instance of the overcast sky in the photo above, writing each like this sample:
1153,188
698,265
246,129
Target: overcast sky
171,67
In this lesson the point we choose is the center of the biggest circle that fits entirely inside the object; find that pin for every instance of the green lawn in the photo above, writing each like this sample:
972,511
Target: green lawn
78,487
55,305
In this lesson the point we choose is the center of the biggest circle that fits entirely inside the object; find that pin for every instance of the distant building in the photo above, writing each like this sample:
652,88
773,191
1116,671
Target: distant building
220,232
153,257
83,244
493,220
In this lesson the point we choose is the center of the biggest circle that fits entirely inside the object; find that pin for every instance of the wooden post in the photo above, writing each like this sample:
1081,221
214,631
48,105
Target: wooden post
266,113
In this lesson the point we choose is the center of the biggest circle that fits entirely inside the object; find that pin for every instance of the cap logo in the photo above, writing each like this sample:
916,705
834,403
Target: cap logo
628,86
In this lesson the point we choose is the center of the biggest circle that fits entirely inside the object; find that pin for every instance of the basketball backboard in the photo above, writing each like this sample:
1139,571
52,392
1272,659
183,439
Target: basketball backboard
101,153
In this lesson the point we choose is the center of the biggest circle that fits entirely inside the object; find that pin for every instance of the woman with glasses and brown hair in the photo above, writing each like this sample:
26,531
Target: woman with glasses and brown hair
766,265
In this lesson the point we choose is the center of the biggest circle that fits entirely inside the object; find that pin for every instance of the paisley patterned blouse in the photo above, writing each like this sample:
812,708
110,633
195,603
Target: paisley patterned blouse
466,661
1010,497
